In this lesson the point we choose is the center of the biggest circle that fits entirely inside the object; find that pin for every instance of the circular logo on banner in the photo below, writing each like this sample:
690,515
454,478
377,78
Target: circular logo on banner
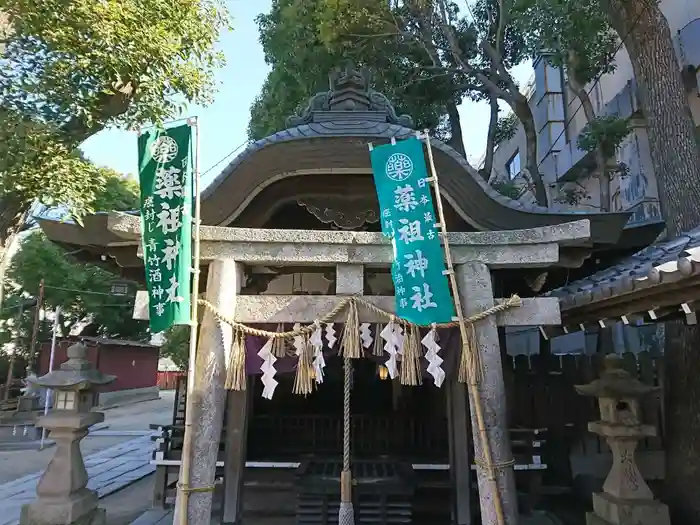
399,167
164,149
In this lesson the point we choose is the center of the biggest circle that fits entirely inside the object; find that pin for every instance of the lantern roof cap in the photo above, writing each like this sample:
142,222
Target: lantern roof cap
615,382
77,373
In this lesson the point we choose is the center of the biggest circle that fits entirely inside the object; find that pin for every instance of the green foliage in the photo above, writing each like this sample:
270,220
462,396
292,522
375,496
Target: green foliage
80,63
176,345
573,194
507,188
506,127
121,193
606,133
80,289
74,67
35,165
577,35
65,280
304,40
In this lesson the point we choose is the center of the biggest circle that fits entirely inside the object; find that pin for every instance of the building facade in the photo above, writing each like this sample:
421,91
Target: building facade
568,171
135,364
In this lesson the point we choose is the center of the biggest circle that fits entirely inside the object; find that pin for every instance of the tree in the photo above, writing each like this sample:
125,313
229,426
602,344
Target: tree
475,53
80,289
676,161
302,47
577,36
72,68
177,346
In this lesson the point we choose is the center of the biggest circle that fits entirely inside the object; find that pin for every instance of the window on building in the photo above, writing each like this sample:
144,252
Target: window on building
513,165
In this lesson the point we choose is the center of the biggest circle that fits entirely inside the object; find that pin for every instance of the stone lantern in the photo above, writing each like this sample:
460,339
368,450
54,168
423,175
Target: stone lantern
626,498
30,395
62,496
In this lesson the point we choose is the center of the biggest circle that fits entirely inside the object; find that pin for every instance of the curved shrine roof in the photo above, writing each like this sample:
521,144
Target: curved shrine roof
331,137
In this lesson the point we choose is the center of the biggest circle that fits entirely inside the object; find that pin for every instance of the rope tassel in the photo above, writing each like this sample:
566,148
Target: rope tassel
303,380
279,345
410,359
378,346
235,376
470,369
352,345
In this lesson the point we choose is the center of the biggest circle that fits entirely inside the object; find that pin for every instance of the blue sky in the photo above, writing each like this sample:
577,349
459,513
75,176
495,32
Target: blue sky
223,123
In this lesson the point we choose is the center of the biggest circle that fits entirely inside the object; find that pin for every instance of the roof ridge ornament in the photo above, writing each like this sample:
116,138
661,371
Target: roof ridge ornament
350,97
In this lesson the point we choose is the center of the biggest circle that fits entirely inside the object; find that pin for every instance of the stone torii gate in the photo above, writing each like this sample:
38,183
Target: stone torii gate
233,253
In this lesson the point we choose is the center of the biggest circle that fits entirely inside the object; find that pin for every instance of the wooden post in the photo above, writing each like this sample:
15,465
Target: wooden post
238,405
477,295
460,462
208,393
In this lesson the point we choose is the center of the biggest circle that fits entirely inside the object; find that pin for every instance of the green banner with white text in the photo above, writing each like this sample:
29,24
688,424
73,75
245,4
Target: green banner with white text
408,218
165,177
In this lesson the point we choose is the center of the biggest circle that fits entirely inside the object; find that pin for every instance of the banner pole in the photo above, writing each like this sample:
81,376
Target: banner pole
473,388
48,393
185,467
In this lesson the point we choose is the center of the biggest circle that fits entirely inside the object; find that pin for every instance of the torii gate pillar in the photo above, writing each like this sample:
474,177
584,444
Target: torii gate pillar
476,293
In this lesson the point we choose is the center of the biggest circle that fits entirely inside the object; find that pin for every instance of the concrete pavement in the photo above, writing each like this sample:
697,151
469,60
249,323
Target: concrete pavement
115,458
120,421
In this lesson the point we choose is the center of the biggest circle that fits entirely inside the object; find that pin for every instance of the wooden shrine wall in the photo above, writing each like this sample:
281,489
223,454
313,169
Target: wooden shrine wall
541,394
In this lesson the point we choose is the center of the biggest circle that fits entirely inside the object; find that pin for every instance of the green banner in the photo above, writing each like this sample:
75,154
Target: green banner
408,218
165,176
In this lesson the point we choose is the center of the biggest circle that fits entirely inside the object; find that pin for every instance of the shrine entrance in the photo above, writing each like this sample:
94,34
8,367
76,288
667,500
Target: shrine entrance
267,224
388,419
409,425
399,434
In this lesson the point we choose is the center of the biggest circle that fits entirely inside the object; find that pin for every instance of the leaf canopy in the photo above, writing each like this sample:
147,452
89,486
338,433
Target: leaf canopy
71,68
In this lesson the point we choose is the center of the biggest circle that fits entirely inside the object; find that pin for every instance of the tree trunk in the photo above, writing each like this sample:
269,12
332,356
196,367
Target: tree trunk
486,170
12,216
456,138
523,111
674,154
673,148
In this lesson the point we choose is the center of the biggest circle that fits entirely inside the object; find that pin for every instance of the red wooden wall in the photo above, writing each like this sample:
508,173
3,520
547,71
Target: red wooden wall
134,366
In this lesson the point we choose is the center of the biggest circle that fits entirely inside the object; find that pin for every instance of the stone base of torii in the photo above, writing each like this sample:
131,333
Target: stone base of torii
232,251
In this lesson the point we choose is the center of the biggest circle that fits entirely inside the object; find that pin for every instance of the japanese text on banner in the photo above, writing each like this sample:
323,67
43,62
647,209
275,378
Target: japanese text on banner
165,177
408,218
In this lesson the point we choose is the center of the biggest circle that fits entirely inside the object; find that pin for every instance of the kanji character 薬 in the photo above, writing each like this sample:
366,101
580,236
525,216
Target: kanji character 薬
405,198
168,183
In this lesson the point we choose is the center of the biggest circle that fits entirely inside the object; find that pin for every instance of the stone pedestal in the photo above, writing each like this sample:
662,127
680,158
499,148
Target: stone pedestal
609,510
62,496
